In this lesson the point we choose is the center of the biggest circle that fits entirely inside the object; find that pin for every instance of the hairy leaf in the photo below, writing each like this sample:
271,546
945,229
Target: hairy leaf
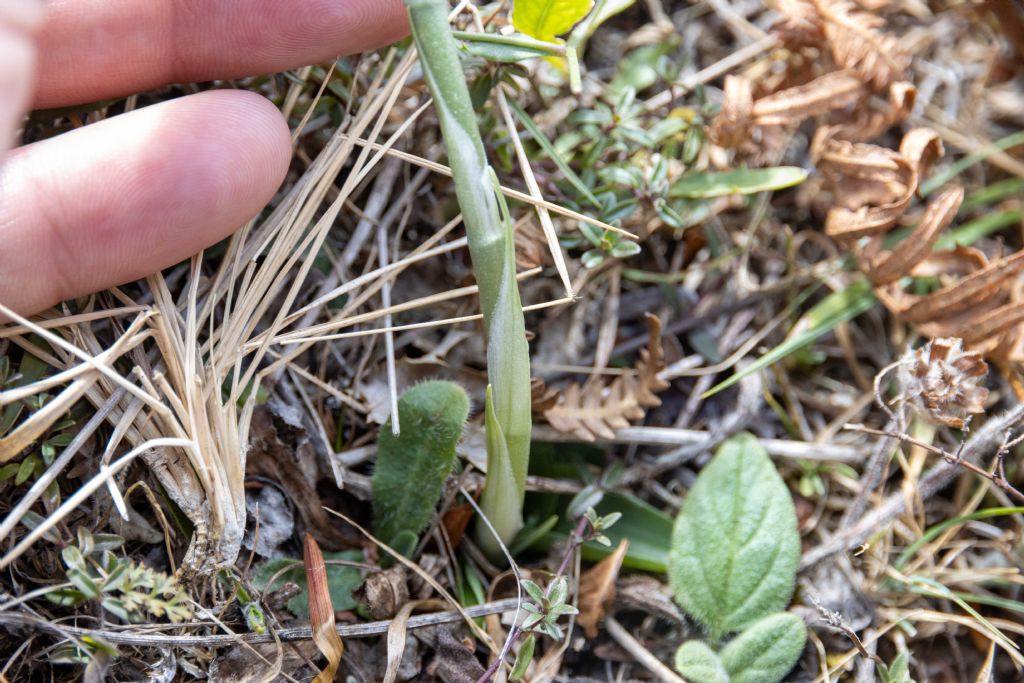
545,19
699,664
735,544
766,650
411,467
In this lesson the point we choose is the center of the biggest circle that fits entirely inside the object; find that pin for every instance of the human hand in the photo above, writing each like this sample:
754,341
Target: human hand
122,198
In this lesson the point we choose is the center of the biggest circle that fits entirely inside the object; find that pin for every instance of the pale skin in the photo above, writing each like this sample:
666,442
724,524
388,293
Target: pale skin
120,199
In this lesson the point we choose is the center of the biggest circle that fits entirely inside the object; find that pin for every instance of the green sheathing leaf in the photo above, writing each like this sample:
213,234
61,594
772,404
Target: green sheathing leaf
766,650
545,19
735,544
411,467
699,664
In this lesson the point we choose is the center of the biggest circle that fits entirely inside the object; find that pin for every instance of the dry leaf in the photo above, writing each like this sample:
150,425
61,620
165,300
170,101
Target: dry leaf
384,592
321,610
873,189
596,409
397,632
857,42
597,589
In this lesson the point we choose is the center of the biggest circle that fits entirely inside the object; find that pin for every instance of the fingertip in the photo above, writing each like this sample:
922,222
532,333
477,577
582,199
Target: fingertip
120,199
246,129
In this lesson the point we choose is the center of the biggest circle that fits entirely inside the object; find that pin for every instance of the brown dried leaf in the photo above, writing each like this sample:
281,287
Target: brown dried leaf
856,42
384,592
597,589
595,410
321,610
889,266
397,631
824,94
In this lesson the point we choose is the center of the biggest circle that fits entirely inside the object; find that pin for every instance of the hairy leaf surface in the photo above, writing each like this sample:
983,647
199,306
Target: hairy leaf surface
766,650
699,664
735,544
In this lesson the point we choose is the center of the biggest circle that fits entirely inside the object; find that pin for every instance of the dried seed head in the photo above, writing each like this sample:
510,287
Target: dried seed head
944,382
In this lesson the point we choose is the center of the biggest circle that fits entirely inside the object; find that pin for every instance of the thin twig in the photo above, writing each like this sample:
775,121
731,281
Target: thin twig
373,628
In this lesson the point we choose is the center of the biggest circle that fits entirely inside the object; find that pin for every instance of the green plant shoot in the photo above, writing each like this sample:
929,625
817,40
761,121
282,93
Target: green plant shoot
412,467
491,247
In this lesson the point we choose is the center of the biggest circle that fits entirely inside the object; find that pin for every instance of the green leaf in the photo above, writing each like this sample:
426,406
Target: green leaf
515,47
699,664
647,528
735,545
546,19
898,671
341,580
825,316
741,181
523,658
412,467
766,650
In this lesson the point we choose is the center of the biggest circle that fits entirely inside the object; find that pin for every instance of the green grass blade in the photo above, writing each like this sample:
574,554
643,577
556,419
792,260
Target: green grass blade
549,149
830,312
937,181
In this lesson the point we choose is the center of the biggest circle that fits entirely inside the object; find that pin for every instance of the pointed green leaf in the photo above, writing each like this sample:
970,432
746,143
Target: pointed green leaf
523,658
545,19
766,650
735,544
699,664
741,181
822,318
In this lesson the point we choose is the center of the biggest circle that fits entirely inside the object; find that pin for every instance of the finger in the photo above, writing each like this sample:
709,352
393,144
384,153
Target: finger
97,49
122,198
19,19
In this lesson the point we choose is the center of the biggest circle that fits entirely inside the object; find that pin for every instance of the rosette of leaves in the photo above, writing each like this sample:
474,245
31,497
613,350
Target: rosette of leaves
732,567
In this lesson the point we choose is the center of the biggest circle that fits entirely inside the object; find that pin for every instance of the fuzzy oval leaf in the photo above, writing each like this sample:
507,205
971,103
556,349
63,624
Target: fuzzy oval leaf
412,467
741,181
545,19
766,650
735,544
699,664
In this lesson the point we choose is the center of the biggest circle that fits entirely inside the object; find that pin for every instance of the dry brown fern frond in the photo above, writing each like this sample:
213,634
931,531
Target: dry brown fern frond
599,407
977,300
856,42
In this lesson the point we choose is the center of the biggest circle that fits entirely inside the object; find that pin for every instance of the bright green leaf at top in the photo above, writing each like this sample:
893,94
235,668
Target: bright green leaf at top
705,184
735,544
546,19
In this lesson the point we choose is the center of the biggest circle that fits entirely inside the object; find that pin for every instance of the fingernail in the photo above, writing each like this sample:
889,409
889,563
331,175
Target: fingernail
25,15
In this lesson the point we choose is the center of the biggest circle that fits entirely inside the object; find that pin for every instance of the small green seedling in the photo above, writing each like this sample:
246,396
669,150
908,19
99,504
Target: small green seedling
412,467
732,567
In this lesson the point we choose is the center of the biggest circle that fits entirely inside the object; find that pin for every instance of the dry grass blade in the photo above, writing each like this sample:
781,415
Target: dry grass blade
397,631
321,610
